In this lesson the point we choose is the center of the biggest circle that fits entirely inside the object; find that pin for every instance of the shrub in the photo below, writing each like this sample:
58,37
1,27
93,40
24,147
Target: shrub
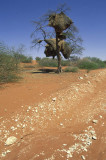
37,58
104,62
22,58
91,63
96,60
71,69
85,64
8,68
48,62
28,60
65,62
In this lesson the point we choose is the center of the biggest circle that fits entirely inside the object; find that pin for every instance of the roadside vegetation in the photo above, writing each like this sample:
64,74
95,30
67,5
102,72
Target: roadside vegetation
73,63
10,60
9,63
22,58
71,69
91,63
8,68
49,62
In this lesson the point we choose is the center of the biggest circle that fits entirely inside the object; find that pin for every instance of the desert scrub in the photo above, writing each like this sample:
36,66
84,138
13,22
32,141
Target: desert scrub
22,58
37,59
65,62
91,63
48,62
98,61
85,64
71,69
8,68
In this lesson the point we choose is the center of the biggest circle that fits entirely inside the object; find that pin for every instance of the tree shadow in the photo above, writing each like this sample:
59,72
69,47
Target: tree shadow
45,71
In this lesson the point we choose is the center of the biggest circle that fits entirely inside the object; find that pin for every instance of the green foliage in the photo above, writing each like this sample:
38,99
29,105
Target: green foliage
27,60
71,69
88,63
9,65
22,58
91,63
37,58
65,62
8,68
85,64
104,63
98,61
48,62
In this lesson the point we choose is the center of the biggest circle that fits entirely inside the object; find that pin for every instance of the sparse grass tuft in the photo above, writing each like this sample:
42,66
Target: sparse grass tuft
71,69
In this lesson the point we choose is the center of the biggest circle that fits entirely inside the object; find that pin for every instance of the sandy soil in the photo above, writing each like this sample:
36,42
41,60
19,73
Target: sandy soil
54,117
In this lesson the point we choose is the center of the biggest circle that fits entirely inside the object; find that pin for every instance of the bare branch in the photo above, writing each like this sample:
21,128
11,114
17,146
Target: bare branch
63,8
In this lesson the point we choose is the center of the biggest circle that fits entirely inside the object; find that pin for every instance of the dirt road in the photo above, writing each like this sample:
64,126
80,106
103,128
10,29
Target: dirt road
54,117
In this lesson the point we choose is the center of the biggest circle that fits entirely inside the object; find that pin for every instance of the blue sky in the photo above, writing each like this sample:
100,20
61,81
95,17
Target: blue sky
89,16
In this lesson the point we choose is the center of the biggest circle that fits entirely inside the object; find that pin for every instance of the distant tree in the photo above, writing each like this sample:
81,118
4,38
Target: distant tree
38,58
59,33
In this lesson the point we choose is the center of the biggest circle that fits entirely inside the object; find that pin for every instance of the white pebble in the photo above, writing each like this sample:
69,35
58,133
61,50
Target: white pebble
10,140
83,157
54,99
95,121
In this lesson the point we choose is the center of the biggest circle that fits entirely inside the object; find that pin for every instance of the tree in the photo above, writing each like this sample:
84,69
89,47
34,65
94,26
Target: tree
58,31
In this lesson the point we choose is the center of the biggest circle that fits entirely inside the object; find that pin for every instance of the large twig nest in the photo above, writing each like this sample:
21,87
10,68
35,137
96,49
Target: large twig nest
50,48
59,21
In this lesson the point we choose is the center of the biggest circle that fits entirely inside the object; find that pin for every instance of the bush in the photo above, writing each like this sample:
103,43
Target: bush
22,58
104,61
37,58
65,62
8,68
71,69
27,60
85,64
9,65
48,62
100,63
91,63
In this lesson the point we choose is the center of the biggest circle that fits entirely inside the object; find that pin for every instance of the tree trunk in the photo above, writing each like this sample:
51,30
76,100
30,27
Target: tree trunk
59,70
